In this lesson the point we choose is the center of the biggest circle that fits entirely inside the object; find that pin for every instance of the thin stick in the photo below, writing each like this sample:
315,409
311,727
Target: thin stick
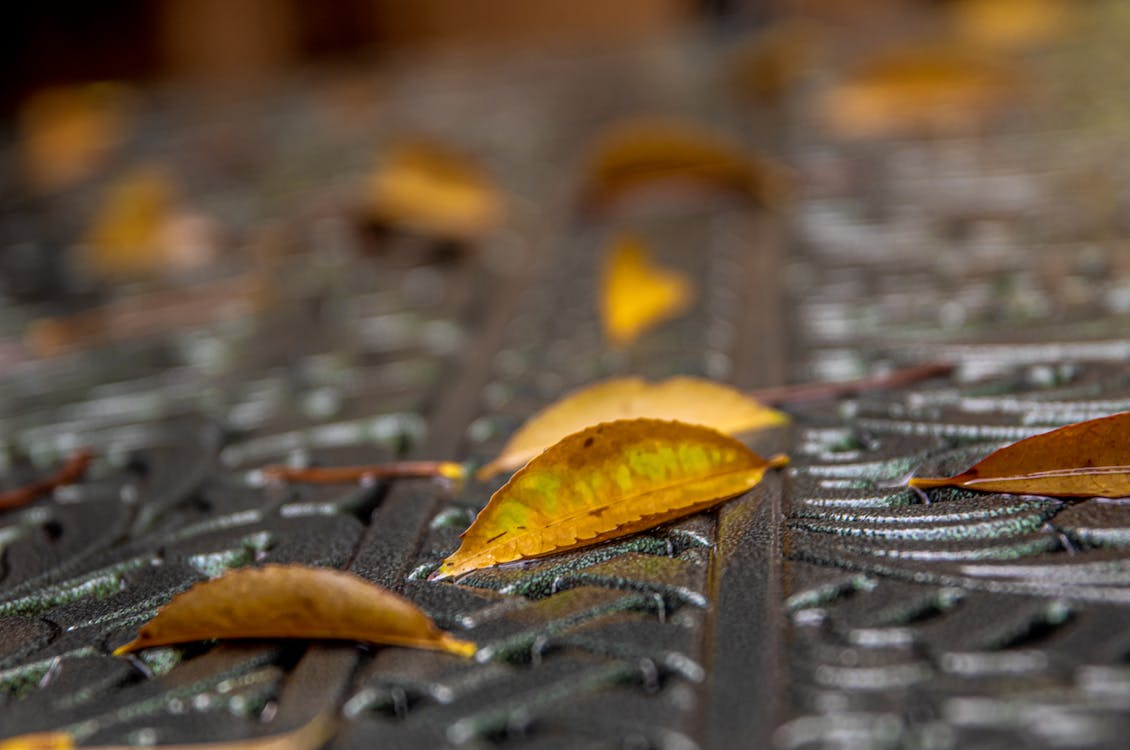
448,470
791,394
72,470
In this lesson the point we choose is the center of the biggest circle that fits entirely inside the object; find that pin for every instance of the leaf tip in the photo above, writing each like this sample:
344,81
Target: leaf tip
923,483
126,648
778,461
458,646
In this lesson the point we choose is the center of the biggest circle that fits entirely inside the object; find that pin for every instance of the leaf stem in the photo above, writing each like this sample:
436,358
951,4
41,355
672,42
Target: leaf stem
72,470
828,391
449,470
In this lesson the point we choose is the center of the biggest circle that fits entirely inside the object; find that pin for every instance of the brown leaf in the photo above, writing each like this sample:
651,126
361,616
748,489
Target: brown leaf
309,736
605,482
635,293
681,399
427,188
661,156
293,601
1085,459
930,89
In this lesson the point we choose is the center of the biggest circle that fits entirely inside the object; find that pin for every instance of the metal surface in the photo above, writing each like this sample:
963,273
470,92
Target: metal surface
829,607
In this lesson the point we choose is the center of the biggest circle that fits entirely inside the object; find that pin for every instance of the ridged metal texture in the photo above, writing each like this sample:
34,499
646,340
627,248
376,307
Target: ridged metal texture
829,607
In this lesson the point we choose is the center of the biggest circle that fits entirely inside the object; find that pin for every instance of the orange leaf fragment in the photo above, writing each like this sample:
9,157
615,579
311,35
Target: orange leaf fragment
931,89
661,155
681,399
67,132
604,482
293,601
428,188
309,736
636,294
1085,459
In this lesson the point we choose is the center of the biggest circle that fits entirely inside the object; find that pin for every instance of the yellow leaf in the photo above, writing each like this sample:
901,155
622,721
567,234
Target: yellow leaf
680,399
309,736
127,235
655,155
604,482
1085,459
918,89
636,294
39,741
1011,24
427,188
293,601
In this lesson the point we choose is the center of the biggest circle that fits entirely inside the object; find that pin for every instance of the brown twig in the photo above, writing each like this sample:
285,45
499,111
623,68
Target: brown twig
73,469
791,394
448,470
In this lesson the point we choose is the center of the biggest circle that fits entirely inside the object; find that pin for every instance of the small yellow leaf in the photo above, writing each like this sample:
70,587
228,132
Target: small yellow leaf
680,399
309,736
607,481
653,155
1085,459
636,294
918,89
127,236
427,188
293,601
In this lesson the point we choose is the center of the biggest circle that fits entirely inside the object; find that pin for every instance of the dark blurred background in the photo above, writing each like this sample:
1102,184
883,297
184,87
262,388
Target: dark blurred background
67,41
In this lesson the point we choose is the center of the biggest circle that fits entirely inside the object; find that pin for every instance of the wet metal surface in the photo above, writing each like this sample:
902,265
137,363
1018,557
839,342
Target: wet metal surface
831,606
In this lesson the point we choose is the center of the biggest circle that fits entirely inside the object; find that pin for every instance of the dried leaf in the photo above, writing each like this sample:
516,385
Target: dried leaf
1011,24
636,294
604,482
918,89
309,736
66,133
1085,459
293,601
427,188
665,155
680,399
